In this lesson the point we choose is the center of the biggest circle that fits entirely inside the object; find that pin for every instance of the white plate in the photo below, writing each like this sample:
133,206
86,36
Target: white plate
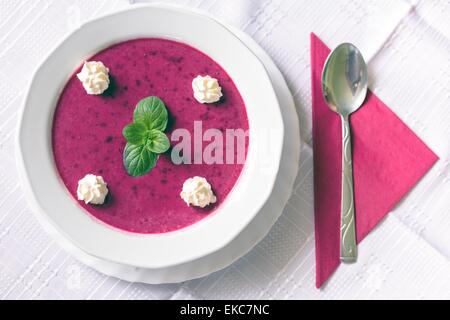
247,239
74,228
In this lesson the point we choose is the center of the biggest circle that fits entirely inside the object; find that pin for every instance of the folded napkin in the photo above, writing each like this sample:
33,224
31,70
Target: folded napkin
388,160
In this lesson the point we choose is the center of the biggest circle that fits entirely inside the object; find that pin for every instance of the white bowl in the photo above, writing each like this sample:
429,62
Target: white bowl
49,197
252,233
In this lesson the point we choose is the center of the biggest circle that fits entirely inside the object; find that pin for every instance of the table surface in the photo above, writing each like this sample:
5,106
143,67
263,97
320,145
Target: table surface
407,46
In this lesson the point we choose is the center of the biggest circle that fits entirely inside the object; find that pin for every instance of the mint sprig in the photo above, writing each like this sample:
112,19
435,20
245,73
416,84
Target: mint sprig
145,137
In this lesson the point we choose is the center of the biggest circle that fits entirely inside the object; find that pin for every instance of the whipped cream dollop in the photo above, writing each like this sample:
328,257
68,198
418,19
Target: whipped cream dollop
197,191
94,76
206,89
92,189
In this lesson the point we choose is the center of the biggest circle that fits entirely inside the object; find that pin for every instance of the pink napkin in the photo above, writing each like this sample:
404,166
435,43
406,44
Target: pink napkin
388,160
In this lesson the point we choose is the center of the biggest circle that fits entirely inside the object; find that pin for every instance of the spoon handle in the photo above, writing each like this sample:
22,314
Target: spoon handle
348,236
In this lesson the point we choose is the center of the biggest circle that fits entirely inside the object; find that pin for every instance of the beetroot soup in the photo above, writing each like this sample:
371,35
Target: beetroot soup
87,134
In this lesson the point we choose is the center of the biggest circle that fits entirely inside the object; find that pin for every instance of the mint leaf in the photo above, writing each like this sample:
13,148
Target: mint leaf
152,112
135,133
138,159
157,141
145,136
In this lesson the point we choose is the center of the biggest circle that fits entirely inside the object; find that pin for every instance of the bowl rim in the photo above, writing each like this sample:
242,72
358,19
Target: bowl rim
135,257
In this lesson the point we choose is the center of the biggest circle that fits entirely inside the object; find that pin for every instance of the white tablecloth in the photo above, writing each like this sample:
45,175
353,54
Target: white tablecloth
407,44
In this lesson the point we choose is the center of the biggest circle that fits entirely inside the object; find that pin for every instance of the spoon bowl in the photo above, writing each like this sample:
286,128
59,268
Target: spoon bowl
344,79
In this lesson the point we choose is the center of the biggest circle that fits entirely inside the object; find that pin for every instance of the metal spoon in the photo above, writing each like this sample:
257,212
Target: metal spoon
344,87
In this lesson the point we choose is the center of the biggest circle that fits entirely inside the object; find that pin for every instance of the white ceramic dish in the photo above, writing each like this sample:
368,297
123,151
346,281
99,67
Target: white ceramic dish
53,204
248,237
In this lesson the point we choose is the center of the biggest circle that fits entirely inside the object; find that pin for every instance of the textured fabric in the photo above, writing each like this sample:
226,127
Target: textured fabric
407,45
388,160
